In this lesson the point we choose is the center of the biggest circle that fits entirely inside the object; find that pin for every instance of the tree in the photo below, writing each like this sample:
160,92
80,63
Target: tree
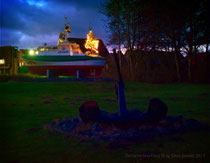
123,15
149,25
173,18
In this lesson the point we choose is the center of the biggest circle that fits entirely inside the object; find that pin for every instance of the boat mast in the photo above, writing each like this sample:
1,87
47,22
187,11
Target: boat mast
67,28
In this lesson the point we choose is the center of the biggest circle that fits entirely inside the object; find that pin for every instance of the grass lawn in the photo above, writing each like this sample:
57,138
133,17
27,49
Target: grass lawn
26,107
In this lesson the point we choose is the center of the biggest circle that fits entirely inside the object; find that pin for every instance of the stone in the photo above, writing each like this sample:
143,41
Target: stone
89,111
172,121
96,126
157,110
190,124
118,131
84,127
68,126
76,119
61,122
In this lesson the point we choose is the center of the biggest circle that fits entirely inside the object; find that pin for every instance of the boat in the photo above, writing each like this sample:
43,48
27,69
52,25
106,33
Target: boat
70,57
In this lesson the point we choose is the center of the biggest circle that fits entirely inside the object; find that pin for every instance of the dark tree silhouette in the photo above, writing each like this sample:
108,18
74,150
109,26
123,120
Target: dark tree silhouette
150,25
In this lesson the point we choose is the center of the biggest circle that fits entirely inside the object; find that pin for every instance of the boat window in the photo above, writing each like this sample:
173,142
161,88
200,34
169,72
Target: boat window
42,49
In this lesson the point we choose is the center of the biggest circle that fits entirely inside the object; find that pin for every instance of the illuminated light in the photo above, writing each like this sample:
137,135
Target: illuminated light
21,64
31,52
92,44
2,61
37,52
88,53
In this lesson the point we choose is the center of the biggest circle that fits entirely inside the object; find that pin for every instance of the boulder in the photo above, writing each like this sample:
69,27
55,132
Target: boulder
89,111
97,127
157,110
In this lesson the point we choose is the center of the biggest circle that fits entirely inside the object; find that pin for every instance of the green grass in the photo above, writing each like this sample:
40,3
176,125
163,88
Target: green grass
23,107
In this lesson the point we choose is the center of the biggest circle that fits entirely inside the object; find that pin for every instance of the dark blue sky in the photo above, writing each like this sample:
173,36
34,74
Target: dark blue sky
30,23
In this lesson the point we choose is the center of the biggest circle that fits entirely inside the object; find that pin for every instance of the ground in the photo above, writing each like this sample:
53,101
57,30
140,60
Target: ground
26,106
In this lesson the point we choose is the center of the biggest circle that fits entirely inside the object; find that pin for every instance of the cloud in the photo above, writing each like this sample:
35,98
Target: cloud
38,19
37,3
9,37
79,4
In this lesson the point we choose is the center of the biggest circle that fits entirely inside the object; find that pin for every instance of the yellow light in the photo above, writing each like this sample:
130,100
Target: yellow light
37,52
31,52
91,43
2,61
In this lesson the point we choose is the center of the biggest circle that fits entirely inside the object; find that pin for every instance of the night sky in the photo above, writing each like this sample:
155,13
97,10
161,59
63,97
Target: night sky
31,23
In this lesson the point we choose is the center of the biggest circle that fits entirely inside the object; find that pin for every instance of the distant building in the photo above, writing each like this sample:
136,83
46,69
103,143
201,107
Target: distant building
8,60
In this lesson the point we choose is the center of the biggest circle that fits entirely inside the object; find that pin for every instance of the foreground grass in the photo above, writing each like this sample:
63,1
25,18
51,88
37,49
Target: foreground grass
26,107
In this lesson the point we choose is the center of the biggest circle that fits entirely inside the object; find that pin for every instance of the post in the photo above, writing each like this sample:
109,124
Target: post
49,74
79,74
4,68
67,35
120,85
121,99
